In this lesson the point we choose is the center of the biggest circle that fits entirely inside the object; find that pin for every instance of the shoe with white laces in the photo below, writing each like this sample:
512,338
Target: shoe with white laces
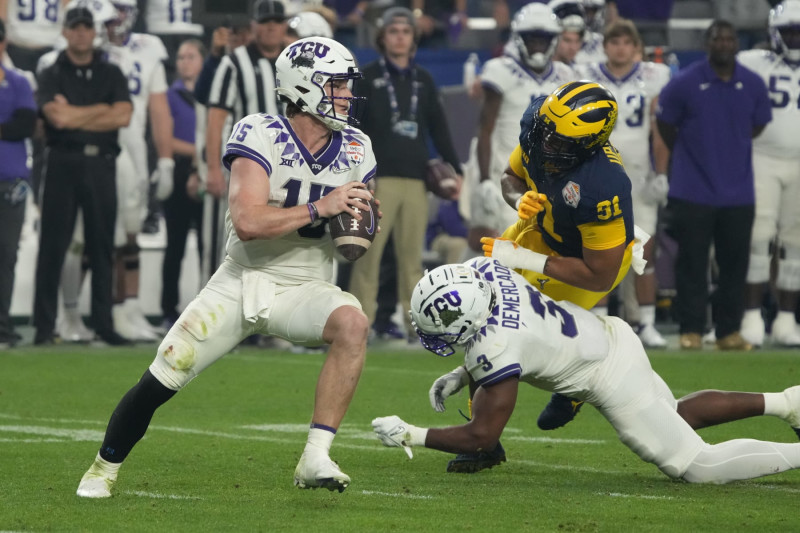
317,470
784,331
650,337
753,328
792,395
71,328
98,480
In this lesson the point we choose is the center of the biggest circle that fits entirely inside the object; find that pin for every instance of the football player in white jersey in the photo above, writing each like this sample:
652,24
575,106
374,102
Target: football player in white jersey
288,176
509,83
32,27
636,86
572,16
512,333
776,165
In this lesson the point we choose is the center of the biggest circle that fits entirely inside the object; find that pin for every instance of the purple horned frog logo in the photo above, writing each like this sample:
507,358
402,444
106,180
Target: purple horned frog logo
447,307
303,54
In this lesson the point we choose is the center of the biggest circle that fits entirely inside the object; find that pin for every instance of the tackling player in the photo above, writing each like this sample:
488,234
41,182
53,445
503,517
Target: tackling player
776,166
513,333
509,83
288,175
635,85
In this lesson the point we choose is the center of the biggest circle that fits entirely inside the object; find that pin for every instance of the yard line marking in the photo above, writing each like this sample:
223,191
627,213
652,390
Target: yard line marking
396,495
160,496
571,467
80,435
777,488
640,496
32,441
44,419
550,440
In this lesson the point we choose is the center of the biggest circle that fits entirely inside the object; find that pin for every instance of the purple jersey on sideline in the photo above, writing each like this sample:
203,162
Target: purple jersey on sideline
181,105
15,93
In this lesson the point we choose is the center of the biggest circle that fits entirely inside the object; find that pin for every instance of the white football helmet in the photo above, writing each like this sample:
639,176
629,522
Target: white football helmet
449,305
570,13
784,29
102,11
122,24
310,24
535,21
305,67
595,14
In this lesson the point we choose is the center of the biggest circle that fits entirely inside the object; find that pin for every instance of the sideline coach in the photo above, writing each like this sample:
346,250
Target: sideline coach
85,101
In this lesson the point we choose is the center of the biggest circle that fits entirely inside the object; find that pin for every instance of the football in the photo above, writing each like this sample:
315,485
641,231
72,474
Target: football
352,237
442,180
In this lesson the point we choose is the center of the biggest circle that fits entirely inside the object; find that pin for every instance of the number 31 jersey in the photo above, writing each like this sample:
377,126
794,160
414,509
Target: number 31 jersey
296,177
781,137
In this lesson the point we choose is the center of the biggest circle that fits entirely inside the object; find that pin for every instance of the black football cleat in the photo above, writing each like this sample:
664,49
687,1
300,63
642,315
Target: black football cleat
469,463
559,411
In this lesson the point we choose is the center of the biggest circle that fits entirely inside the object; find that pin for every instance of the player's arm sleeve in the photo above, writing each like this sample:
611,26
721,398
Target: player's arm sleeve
223,89
603,235
249,139
158,82
370,164
517,164
492,74
488,367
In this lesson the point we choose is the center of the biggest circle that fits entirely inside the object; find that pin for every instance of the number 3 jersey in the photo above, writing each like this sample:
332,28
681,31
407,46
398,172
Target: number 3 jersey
296,177
781,137
547,344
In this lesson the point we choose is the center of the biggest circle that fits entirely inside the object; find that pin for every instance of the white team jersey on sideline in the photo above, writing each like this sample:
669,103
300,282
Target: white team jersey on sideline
518,86
168,17
34,23
591,50
635,94
296,177
140,59
550,345
781,137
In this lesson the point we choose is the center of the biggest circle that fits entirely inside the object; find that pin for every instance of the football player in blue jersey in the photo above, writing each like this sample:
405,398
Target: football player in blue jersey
574,239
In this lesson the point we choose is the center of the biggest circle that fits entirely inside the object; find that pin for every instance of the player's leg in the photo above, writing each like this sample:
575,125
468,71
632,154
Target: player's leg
312,314
409,232
784,328
70,326
209,328
765,223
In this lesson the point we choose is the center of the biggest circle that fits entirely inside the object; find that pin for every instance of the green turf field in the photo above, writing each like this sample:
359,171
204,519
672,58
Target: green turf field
220,456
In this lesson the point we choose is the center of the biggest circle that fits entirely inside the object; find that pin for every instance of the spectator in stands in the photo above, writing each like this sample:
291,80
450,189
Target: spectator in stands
636,86
439,22
708,116
182,209
17,123
776,230
404,113
349,16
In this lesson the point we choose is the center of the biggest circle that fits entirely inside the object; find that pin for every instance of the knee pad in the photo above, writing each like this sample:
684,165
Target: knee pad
760,259
788,268
174,364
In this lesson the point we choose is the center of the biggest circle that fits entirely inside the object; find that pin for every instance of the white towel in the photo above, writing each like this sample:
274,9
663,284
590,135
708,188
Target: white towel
258,292
640,238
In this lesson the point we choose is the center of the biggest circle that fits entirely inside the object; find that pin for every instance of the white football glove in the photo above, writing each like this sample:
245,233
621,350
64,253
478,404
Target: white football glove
162,176
393,432
446,386
656,190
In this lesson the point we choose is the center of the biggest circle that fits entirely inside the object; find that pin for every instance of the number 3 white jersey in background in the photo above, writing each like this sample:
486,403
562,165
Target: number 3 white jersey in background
548,344
34,23
168,17
781,137
516,85
635,94
296,177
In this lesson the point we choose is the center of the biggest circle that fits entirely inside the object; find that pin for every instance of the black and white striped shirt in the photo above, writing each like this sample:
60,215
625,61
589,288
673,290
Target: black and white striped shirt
244,84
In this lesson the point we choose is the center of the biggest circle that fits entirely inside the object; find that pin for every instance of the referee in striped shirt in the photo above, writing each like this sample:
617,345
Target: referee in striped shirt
244,84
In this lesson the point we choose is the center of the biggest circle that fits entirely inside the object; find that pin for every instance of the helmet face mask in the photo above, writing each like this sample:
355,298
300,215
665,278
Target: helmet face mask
121,26
535,30
449,305
310,73
573,123
784,29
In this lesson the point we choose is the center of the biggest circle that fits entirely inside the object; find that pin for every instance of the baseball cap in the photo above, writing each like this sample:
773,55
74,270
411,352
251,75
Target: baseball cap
78,15
395,15
267,10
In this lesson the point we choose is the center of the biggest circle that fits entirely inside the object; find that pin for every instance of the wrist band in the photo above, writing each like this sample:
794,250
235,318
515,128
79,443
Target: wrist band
312,211
516,204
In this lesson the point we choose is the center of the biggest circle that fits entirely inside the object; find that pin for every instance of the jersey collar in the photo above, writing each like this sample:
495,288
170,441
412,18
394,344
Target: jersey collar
325,158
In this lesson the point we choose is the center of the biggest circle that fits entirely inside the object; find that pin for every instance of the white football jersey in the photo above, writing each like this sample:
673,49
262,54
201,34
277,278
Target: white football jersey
296,177
171,17
517,85
141,61
591,50
34,23
781,137
635,94
550,345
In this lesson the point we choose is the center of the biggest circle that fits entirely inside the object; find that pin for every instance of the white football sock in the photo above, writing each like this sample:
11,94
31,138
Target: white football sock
647,315
775,404
319,439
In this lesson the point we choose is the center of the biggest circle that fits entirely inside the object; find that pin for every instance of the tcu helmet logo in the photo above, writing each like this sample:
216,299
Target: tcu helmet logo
448,307
302,54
